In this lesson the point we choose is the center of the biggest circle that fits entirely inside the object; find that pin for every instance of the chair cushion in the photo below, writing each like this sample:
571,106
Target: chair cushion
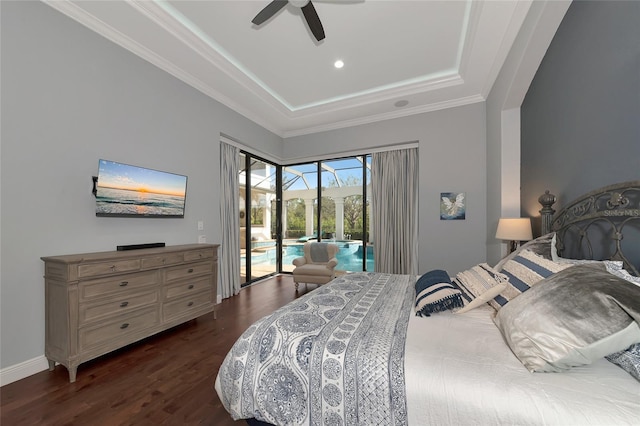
312,269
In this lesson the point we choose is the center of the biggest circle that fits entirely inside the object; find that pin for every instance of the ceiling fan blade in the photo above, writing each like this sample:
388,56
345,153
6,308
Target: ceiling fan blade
313,21
270,10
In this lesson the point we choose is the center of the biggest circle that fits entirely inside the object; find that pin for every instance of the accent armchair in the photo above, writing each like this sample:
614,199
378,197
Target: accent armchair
318,264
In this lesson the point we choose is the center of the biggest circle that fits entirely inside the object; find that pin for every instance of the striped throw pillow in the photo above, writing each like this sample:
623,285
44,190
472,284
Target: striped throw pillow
479,285
435,293
524,271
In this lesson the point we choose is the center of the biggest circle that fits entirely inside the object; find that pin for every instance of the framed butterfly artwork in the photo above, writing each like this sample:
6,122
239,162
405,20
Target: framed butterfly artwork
452,206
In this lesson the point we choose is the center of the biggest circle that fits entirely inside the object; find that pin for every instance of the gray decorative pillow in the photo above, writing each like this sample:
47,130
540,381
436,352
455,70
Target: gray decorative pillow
628,360
572,318
540,246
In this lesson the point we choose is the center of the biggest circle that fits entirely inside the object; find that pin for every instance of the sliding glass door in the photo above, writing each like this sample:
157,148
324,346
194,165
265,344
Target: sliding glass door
344,211
258,218
328,201
282,207
299,210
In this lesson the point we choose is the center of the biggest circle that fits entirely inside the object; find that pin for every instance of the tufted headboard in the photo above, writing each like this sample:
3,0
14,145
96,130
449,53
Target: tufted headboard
603,224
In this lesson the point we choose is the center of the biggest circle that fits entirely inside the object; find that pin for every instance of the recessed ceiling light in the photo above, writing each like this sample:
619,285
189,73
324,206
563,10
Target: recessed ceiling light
401,103
338,64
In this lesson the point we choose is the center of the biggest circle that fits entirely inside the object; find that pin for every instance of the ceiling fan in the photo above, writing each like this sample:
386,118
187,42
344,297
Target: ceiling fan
309,12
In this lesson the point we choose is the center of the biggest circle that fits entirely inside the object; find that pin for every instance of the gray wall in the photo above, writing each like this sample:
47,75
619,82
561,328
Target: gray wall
452,150
581,115
69,98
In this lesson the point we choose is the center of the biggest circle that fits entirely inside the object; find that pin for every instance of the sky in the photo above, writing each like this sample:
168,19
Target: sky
133,178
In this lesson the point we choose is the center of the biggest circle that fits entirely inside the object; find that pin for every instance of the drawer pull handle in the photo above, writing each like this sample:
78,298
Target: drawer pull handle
125,325
190,270
190,304
190,286
124,283
124,304
112,268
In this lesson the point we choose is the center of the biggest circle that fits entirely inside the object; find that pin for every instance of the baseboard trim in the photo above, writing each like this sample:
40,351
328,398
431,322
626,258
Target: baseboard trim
24,369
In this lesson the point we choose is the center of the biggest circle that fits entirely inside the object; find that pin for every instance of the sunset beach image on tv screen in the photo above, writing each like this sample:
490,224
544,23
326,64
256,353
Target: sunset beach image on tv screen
125,190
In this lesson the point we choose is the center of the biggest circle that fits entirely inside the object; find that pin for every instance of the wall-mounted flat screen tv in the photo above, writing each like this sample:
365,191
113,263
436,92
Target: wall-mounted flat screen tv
131,191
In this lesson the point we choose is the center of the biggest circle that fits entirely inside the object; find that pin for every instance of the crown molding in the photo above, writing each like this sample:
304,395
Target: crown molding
453,103
219,78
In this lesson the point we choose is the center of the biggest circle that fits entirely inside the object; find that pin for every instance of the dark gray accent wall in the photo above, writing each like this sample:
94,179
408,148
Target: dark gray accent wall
581,116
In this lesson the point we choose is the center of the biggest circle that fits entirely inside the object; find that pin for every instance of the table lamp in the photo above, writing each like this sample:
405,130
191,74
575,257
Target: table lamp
514,230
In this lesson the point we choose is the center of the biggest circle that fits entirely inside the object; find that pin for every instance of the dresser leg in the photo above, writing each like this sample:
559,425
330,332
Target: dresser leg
52,364
72,373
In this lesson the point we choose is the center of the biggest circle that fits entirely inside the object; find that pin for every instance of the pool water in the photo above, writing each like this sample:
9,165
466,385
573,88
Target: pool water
349,257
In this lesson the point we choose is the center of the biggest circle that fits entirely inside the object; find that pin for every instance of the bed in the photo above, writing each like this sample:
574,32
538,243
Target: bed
477,348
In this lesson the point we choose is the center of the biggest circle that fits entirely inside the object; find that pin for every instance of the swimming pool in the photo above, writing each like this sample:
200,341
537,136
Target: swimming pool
349,257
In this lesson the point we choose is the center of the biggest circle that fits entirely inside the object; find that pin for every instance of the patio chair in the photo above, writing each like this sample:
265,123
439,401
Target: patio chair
318,264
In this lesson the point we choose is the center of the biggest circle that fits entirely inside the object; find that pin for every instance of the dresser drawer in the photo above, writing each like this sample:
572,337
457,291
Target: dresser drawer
192,255
185,305
108,268
115,331
186,287
185,271
162,260
113,286
116,307
102,301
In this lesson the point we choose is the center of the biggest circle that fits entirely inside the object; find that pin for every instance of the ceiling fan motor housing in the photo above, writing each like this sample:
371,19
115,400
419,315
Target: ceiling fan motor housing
299,3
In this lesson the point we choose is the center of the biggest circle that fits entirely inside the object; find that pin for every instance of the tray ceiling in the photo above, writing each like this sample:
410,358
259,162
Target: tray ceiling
400,57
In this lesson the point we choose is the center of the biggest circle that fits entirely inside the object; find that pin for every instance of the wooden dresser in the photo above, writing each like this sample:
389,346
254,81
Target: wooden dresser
98,302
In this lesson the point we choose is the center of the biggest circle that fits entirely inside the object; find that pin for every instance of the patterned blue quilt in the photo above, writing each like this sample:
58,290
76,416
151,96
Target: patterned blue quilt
334,356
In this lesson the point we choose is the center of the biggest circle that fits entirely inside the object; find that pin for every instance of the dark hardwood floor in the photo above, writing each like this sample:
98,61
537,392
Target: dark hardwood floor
166,379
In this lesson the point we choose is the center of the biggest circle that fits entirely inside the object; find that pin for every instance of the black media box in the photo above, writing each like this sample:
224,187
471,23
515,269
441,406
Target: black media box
140,246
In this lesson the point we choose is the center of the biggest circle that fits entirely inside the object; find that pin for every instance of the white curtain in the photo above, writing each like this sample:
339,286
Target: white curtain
229,215
394,211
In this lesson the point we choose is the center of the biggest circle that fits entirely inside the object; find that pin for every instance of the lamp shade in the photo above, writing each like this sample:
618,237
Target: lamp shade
514,229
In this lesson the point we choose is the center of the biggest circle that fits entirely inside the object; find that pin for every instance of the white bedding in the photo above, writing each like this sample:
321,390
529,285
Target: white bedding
459,371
